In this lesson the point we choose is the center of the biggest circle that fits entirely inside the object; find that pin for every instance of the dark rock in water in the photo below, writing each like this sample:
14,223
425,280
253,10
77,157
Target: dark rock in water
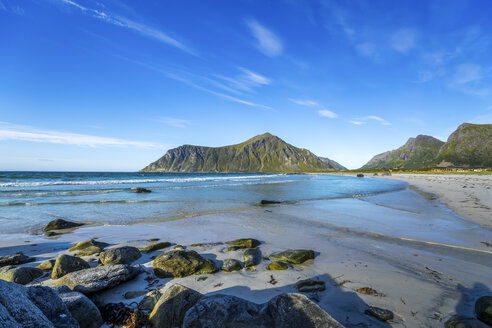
309,286
60,224
182,263
134,294
17,310
154,247
20,275
277,266
380,314
251,257
46,265
458,321
65,264
286,310
268,202
150,300
15,259
95,279
81,307
295,310
295,256
48,301
360,175
120,255
171,308
483,309
141,190
244,243
230,265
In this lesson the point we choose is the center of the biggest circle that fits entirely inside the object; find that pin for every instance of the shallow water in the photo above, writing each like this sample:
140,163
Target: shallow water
31,199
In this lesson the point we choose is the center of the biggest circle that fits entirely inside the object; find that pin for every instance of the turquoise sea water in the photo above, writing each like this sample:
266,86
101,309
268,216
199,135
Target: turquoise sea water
29,200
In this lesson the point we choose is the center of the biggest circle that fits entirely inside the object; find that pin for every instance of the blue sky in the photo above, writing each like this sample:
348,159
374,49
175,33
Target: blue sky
111,84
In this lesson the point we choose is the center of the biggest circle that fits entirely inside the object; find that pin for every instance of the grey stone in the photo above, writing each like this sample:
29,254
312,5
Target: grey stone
120,255
295,256
172,306
251,257
150,300
65,264
459,321
309,286
98,278
81,307
134,294
20,275
230,265
48,301
380,314
182,263
15,259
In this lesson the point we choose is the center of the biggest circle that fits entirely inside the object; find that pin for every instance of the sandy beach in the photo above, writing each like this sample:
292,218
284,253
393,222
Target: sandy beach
425,262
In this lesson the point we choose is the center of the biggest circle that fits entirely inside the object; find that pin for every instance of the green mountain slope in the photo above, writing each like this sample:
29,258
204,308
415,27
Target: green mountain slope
469,146
337,166
262,154
417,152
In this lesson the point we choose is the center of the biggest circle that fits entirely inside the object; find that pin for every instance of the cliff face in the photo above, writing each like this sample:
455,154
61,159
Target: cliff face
264,153
417,152
469,146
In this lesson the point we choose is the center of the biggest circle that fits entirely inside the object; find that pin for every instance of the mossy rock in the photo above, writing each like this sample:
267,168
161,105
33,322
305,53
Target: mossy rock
153,240
150,300
46,265
178,247
60,224
233,248
182,263
483,309
206,244
295,256
88,243
135,294
65,264
230,265
244,243
20,275
91,250
459,321
252,257
310,286
277,266
154,247
120,255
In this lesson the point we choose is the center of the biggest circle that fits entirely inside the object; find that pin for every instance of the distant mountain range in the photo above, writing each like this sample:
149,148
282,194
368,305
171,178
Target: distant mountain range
469,146
264,153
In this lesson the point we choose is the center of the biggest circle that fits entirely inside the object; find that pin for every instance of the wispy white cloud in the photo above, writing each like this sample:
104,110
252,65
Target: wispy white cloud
472,79
175,122
26,133
364,120
267,42
367,49
246,81
403,40
130,24
306,102
327,113
466,73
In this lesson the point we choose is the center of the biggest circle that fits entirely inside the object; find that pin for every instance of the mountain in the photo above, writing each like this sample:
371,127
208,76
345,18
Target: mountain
417,152
264,153
337,166
469,146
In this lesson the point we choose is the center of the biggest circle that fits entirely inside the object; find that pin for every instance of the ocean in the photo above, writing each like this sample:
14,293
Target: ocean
29,200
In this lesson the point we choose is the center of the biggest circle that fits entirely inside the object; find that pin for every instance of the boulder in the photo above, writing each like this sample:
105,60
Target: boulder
20,275
48,301
483,309
360,175
120,255
277,266
295,256
141,190
251,257
95,279
172,306
46,265
269,202
65,264
81,307
182,263
459,321
309,286
150,300
88,247
244,243
15,259
380,314
230,265
155,247
60,224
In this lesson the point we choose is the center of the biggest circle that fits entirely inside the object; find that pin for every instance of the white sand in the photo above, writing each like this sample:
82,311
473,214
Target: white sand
427,261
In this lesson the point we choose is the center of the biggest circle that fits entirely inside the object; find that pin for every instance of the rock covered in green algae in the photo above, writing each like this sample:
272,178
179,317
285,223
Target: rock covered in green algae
483,309
277,266
88,247
251,257
459,321
233,248
230,265
178,247
65,264
244,243
150,299
182,263
295,256
46,265
120,255
380,314
154,247
20,275
60,224
309,286
206,244
134,294
15,259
